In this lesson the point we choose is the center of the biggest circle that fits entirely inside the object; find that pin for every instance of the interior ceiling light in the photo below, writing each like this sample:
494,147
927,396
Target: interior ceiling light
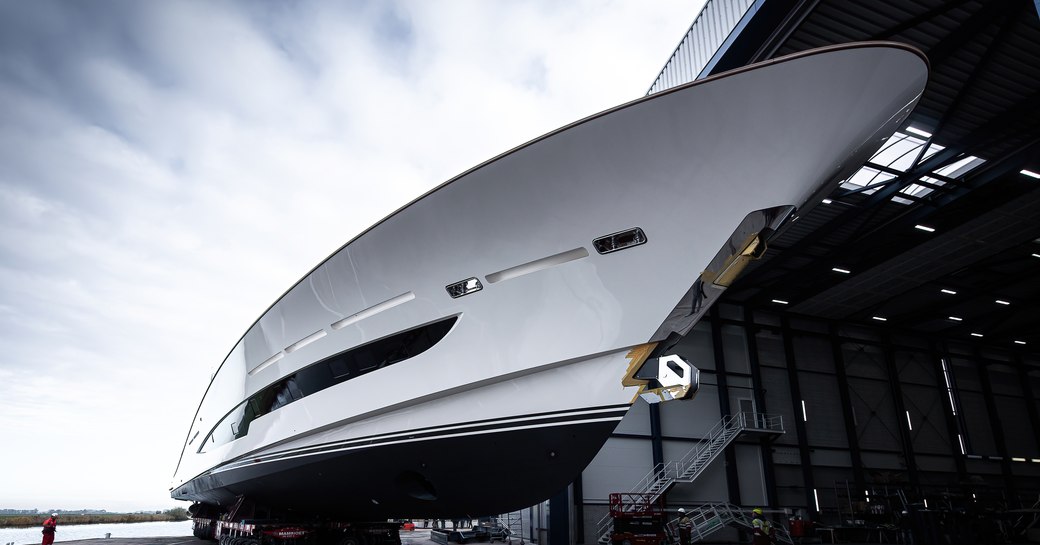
1030,173
1036,255
1001,302
919,132
1020,342
949,292
780,302
879,318
840,270
925,228
956,318
976,335
827,201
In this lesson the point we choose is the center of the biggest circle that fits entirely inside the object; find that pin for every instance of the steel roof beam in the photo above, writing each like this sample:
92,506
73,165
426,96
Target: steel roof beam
818,278
891,187
985,174
927,16
974,26
946,156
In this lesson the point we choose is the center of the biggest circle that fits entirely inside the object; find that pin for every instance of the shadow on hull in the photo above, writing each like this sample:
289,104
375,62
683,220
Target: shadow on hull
446,478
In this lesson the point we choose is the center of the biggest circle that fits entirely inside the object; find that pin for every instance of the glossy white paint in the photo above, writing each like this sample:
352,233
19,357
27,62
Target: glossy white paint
685,165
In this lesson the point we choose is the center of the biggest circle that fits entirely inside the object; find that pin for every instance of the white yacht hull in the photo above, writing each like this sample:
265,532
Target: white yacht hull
524,381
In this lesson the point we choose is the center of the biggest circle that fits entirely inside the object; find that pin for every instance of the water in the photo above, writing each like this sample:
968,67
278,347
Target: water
69,532
72,532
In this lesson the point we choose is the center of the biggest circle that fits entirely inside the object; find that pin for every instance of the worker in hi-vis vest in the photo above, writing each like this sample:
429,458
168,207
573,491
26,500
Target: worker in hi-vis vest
763,529
685,527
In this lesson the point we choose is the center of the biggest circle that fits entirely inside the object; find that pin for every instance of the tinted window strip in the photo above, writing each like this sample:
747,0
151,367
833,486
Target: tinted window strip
324,374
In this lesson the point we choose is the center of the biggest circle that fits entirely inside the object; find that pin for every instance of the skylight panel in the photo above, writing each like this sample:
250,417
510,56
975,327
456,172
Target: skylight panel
899,152
953,170
933,181
918,190
899,200
866,176
960,168
919,132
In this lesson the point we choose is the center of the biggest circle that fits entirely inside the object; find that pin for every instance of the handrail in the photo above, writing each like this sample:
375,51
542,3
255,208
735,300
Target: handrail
710,518
689,467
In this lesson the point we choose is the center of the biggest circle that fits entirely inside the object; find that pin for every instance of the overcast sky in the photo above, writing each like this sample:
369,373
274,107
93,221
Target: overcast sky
167,170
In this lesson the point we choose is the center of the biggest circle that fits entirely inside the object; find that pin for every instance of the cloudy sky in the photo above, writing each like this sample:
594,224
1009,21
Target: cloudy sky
167,170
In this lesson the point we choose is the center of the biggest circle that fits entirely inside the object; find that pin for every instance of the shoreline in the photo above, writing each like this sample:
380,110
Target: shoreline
30,521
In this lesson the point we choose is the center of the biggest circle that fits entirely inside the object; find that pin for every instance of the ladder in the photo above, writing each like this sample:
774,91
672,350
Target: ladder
664,476
513,523
843,498
710,518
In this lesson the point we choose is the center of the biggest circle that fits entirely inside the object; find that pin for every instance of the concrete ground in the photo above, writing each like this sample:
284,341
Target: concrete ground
417,537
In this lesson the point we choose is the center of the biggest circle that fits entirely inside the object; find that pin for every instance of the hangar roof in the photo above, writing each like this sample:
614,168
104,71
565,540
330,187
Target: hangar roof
940,231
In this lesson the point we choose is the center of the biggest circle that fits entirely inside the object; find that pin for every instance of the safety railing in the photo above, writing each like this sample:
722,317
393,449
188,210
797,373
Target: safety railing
663,476
707,519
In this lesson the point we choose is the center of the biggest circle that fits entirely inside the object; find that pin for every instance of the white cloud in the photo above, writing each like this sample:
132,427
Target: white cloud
167,170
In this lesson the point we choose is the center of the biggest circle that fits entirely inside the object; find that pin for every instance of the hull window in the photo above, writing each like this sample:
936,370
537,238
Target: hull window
619,241
464,287
325,374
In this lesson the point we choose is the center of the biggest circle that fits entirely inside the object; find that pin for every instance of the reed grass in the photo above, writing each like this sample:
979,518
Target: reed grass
26,521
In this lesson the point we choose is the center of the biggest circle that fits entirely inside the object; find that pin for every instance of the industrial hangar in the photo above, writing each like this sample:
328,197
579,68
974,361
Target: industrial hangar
892,334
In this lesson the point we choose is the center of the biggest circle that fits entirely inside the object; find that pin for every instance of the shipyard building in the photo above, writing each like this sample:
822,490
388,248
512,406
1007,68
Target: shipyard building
882,359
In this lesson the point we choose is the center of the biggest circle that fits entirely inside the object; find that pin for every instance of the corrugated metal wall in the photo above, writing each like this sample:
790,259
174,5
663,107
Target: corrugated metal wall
704,38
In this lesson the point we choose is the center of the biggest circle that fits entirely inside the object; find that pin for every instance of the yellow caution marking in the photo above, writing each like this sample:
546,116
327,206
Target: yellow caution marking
636,357
752,248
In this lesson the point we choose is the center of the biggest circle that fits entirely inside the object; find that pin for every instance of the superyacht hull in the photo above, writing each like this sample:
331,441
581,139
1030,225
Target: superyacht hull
470,353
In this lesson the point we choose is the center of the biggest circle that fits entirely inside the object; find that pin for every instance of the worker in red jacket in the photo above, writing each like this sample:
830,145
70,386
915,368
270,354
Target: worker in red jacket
49,527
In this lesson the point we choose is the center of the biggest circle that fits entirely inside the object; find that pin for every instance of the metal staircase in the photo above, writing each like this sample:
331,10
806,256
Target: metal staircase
665,475
710,518
513,524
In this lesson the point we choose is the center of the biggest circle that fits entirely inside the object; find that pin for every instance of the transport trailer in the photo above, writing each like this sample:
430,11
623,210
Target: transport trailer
228,529
482,533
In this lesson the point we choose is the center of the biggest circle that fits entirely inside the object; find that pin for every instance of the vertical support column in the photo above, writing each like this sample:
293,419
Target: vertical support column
579,511
952,428
656,441
732,477
897,397
998,432
559,518
796,400
656,437
846,409
1027,394
758,391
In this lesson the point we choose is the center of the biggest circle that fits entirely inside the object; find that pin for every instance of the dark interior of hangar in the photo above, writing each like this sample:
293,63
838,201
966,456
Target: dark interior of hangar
894,327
